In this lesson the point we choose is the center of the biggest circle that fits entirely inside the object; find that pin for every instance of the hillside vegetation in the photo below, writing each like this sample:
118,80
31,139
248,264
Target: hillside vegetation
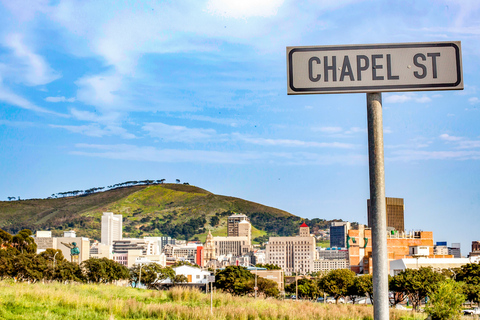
177,210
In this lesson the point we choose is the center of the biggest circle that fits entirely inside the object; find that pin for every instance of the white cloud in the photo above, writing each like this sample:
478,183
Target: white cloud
179,133
406,97
94,130
100,91
329,130
147,153
11,98
59,99
474,100
244,8
294,143
448,137
414,155
26,65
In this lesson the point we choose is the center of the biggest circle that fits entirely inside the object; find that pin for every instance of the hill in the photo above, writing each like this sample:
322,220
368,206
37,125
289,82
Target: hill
177,210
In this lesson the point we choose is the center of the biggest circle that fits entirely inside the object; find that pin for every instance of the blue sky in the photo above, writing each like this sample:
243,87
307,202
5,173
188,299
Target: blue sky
94,93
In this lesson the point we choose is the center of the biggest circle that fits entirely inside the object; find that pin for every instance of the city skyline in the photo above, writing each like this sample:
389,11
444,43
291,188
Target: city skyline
93,94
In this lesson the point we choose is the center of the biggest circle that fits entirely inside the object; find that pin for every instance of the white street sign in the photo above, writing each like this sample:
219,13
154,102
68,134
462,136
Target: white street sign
375,68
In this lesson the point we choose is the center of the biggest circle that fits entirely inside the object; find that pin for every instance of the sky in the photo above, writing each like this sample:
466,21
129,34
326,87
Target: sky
94,93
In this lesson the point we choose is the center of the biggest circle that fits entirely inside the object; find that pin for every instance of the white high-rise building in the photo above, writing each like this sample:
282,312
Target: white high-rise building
111,228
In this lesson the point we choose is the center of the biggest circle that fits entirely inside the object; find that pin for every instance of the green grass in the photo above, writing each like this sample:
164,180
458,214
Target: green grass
88,302
323,244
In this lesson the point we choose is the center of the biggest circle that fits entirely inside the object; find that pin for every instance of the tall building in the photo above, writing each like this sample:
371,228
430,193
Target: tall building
111,228
400,245
338,234
395,213
292,254
232,223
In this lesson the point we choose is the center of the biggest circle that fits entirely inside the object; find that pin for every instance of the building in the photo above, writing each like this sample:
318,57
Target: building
455,251
292,254
338,234
232,224
235,246
397,266
475,249
111,228
400,245
325,265
45,241
274,275
395,213
332,254
125,245
186,252
440,248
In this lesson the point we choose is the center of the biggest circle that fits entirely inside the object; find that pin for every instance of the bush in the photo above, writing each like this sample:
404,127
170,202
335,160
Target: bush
445,301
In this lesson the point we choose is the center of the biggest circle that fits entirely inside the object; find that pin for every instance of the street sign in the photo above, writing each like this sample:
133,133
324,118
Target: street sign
211,278
374,68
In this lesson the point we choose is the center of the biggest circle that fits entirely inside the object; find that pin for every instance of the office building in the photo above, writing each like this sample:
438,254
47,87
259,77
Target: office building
292,254
475,249
232,224
338,234
395,213
111,228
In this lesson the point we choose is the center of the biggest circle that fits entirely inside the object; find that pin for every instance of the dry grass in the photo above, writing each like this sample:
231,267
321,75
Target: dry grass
85,302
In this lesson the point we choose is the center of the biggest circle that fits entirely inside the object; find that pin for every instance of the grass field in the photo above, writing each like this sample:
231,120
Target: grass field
87,302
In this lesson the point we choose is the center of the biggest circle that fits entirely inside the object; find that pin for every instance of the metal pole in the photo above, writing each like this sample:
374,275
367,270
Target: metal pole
378,212
256,282
211,297
140,278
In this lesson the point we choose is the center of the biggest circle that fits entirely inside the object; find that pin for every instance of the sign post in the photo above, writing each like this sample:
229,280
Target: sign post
373,69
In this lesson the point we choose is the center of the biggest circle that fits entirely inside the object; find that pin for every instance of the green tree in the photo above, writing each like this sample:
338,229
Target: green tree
307,288
234,280
337,283
23,242
445,302
268,266
151,274
104,270
180,278
470,275
214,221
416,284
362,287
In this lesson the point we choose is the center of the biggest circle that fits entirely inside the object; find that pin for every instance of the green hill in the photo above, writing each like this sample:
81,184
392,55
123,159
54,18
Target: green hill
177,210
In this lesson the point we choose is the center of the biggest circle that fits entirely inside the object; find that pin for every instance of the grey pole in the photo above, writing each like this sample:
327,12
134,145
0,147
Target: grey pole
378,212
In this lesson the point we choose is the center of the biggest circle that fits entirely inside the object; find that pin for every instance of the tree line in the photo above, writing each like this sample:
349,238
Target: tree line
97,189
447,289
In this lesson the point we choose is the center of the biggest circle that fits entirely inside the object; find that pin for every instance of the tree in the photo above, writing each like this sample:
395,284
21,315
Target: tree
445,301
337,283
23,242
470,275
416,284
307,288
152,274
268,266
177,180
104,270
180,278
362,287
234,280
214,221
